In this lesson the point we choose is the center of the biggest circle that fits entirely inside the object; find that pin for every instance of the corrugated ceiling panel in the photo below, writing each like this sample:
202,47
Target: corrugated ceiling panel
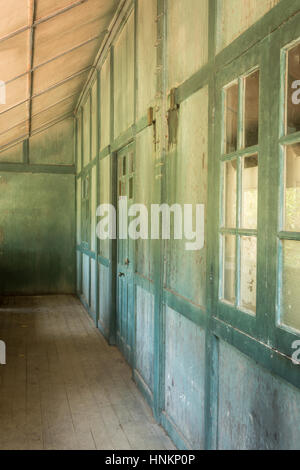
14,16
53,114
18,132
51,43
14,116
14,53
67,37
46,7
65,66
16,92
56,94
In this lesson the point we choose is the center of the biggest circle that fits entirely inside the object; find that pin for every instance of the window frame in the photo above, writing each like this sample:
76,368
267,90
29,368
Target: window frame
284,40
237,71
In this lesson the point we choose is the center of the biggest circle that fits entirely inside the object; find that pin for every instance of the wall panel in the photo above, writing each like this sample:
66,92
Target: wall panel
37,233
94,117
104,182
104,298
146,55
55,146
184,376
124,78
235,17
79,143
187,184
256,409
78,211
86,131
145,335
13,154
93,286
86,278
144,178
93,207
187,38
105,104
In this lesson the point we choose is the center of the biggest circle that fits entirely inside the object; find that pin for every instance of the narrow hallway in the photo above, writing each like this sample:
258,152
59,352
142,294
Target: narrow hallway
63,387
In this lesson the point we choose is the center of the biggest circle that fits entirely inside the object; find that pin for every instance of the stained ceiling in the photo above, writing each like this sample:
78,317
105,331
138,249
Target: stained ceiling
47,50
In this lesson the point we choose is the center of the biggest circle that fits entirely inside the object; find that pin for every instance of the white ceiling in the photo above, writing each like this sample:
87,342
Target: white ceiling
47,49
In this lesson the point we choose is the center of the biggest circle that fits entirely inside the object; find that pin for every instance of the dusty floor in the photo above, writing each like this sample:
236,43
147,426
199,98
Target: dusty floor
63,387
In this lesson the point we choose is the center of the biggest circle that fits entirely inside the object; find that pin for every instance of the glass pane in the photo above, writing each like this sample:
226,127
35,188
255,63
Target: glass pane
248,273
229,264
251,109
293,90
124,166
290,307
230,171
231,117
249,191
292,188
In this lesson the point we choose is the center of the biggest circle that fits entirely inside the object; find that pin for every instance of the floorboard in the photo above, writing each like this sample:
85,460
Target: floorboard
63,387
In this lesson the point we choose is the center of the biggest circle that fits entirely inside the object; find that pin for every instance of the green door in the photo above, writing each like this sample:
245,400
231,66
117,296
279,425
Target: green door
125,263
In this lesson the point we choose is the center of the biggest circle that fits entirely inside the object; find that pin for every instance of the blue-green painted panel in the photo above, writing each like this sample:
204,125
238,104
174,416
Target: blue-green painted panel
184,377
37,233
144,342
93,286
86,278
104,297
256,409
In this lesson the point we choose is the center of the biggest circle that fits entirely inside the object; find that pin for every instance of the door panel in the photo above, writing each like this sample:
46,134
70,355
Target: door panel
125,288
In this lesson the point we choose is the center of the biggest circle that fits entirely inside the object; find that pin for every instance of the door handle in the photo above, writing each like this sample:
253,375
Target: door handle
121,275
126,262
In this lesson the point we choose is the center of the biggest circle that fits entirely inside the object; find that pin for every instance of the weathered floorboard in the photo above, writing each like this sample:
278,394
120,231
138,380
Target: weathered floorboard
63,387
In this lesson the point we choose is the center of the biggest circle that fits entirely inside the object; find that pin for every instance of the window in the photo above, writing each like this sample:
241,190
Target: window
289,230
239,165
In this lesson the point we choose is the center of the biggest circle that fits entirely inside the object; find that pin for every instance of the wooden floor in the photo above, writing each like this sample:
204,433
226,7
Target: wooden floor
63,387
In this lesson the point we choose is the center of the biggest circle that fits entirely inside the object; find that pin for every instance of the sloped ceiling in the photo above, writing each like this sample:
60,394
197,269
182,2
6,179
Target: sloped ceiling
47,49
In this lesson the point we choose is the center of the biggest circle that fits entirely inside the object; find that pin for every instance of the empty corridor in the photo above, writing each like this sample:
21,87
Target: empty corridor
63,387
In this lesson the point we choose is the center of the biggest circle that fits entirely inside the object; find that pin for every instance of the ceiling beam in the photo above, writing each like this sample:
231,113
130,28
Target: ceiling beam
78,46
59,12
124,9
52,123
56,103
37,114
42,20
35,131
32,9
58,84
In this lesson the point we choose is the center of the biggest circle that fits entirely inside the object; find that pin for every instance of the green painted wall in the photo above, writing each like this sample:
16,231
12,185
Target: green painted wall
37,233
212,380
37,214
